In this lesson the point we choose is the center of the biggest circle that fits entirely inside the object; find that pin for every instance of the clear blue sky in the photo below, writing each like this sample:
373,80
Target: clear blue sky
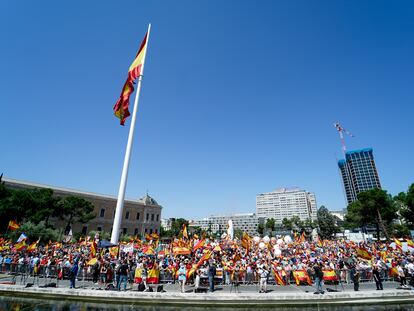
239,97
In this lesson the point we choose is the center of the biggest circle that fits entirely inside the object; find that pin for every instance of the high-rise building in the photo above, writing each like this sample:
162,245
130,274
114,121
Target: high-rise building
286,203
358,172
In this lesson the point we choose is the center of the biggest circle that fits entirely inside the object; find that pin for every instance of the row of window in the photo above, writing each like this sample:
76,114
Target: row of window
153,216
124,230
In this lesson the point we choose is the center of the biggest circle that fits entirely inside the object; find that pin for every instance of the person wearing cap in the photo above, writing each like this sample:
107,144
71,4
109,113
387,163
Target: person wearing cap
182,276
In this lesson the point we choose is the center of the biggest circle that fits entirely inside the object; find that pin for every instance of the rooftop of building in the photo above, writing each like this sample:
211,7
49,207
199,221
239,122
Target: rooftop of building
146,200
285,190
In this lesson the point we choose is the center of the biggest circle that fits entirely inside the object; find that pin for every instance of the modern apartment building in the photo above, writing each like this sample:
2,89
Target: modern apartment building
358,172
219,223
286,203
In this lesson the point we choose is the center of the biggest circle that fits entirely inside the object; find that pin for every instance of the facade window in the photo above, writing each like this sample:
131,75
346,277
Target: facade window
99,229
147,217
102,213
152,217
146,230
136,231
127,215
124,231
150,231
158,217
137,216
84,230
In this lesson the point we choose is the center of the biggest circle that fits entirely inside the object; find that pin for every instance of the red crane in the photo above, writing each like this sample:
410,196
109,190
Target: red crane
341,132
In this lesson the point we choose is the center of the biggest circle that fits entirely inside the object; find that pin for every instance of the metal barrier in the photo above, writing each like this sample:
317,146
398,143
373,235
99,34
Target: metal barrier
23,274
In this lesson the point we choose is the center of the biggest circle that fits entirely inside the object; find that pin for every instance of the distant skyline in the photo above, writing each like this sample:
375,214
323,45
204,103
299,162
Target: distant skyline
239,97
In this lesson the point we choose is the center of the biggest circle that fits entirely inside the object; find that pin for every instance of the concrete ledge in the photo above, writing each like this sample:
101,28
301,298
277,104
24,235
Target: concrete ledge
213,299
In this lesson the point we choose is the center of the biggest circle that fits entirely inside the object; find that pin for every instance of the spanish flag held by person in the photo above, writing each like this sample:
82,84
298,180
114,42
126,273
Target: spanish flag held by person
13,225
363,253
121,108
398,243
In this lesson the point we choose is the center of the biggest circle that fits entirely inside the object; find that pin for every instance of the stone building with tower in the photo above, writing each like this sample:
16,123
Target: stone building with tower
139,216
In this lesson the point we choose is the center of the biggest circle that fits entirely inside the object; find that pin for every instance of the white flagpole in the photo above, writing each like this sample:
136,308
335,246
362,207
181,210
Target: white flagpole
124,176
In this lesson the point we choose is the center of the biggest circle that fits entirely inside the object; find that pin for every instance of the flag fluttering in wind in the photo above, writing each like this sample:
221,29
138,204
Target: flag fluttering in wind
363,253
185,234
13,225
32,247
398,243
21,238
121,108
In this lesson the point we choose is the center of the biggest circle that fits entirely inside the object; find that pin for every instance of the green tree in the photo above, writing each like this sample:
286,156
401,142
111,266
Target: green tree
260,228
177,226
405,203
373,207
327,223
76,209
287,224
35,231
238,233
270,223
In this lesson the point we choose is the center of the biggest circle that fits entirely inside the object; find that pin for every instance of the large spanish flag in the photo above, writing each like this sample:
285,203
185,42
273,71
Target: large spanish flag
13,225
121,108
363,253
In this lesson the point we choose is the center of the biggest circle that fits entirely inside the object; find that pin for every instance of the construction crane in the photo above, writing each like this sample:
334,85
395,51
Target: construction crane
341,132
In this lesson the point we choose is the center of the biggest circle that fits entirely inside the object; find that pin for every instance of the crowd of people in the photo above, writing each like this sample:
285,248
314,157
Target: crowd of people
204,262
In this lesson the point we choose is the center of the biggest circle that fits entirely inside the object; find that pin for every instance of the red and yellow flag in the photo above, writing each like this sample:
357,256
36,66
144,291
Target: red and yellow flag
398,243
278,278
363,253
121,108
20,246
199,244
13,225
33,246
185,233
94,248
245,241
329,275
301,276
410,243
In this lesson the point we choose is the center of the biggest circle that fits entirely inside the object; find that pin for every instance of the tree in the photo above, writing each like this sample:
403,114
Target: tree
260,228
270,223
35,231
238,233
327,223
405,202
76,209
373,207
177,226
287,224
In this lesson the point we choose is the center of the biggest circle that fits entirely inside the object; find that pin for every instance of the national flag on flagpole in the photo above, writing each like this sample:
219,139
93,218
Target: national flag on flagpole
185,234
13,225
121,108
33,246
